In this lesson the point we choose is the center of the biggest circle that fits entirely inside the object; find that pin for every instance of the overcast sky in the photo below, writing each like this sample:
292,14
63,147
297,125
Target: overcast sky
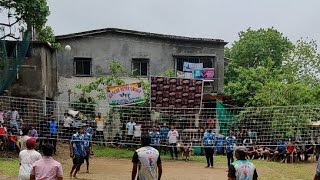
221,19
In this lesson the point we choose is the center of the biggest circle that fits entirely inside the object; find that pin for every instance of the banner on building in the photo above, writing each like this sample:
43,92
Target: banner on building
208,73
171,92
125,94
189,67
197,73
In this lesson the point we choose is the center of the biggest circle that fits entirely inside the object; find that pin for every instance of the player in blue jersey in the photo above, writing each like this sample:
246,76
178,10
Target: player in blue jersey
208,142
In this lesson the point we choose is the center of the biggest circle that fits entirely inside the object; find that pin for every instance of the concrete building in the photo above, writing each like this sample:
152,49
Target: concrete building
147,53
36,77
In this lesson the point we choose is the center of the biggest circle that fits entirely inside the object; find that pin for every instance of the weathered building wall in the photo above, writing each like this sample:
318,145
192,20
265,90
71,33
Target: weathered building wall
103,48
36,77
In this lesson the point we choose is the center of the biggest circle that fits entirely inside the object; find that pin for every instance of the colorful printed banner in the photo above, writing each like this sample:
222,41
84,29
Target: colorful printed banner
189,67
125,94
197,73
208,73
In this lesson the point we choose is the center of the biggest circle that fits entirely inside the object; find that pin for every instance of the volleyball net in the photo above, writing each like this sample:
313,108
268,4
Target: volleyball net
261,126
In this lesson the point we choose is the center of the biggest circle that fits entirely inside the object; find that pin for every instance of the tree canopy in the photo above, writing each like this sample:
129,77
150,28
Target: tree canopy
30,14
267,69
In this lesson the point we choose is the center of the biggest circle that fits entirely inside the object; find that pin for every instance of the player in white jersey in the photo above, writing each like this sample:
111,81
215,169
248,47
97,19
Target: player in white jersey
146,161
242,169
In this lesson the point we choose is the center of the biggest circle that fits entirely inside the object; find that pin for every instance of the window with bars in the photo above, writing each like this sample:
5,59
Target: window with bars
207,61
140,67
82,66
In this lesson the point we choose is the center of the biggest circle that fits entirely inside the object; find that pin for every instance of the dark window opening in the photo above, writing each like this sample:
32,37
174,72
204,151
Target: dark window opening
140,67
82,66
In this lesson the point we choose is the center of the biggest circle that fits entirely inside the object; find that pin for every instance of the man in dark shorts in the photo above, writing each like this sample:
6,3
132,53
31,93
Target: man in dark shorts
88,147
77,151
146,161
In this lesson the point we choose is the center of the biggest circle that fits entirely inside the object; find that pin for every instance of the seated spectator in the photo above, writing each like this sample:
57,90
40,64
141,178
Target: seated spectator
253,152
116,142
309,149
186,150
280,150
261,152
270,152
290,150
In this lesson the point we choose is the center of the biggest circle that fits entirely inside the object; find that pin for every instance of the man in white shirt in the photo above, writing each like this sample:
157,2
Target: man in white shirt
173,136
130,130
146,161
67,122
27,158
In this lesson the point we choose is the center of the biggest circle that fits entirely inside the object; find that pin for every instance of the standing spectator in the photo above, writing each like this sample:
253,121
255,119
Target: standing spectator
53,129
147,161
87,146
47,168
210,123
164,130
27,158
230,141
173,136
13,140
33,132
3,136
317,175
130,130
100,126
155,137
77,151
208,143
67,123
137,133
242,169
1,116
14,119
44,132
22,142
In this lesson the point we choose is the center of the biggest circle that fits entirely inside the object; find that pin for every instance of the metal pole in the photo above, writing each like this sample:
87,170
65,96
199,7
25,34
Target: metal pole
45,100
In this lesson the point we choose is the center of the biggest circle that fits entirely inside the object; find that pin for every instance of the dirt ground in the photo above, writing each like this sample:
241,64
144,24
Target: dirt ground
112,169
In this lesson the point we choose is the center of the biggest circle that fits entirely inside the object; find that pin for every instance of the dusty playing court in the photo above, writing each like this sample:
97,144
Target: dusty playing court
112,169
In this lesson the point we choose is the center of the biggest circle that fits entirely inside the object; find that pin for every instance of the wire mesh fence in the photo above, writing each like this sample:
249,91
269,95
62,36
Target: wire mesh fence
256,126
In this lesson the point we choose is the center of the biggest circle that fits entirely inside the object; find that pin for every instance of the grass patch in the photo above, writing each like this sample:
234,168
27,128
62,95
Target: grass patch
9,167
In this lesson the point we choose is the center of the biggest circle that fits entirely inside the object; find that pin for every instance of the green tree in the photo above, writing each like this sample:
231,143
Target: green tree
267,69
30,14
257,47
